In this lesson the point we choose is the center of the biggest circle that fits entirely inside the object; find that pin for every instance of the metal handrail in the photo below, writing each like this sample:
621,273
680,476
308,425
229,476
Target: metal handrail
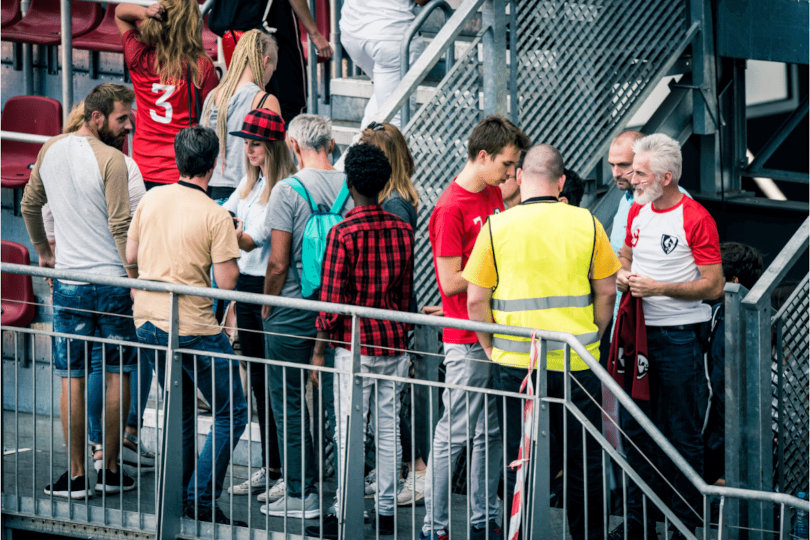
404,51
428,320
444,39
24,137
778,269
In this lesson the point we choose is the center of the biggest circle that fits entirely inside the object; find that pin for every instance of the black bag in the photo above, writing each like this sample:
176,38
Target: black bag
237,15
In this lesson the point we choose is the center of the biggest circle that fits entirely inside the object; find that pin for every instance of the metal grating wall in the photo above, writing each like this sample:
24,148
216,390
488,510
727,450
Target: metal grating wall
437,137
790,393
583,65
581,68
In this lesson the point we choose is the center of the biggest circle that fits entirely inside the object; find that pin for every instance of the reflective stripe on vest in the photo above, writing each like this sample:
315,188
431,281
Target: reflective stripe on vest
543,254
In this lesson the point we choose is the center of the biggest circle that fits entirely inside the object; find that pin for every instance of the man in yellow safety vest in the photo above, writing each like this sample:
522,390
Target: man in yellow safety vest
545,264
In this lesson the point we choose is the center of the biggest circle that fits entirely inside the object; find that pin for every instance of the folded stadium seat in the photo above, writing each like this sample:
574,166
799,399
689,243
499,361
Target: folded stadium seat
209,40
322,17
104,37
37,115
10,12
41,24
17,301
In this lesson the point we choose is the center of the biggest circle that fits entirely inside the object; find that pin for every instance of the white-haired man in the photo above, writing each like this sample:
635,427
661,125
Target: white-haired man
670,259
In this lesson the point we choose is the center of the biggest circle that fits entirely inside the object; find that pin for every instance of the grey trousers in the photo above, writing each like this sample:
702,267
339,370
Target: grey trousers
465,414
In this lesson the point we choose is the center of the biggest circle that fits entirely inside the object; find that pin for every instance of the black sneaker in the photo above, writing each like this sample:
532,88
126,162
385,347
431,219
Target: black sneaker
204,514
69,488
331,528
386,525
114,482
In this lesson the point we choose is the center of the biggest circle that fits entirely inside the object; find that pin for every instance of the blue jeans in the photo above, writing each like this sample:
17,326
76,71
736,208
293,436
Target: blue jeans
287,394
92,310
139,383
227,400
678,400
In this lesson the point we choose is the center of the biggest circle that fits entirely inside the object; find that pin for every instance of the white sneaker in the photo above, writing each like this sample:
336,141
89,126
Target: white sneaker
274,493
413,489
254,484
371,484
294,507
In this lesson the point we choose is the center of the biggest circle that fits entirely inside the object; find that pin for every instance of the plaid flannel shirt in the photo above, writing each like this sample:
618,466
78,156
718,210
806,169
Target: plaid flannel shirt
368,262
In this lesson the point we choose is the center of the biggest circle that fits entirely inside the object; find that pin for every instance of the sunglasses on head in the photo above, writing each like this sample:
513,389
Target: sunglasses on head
376,126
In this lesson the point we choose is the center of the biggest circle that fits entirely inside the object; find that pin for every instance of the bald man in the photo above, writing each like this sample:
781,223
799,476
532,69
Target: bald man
518,277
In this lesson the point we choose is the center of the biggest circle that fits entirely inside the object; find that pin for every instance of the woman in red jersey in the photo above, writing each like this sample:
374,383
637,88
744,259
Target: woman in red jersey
171,75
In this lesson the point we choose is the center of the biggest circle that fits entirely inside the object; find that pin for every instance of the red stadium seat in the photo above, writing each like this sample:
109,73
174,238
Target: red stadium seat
104,37
27,114
17,302
10,12
209,40
41,24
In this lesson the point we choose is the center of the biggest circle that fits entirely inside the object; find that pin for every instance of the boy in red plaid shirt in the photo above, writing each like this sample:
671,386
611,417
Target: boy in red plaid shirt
368,262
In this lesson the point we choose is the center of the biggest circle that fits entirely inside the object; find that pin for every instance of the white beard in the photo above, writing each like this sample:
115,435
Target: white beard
652,193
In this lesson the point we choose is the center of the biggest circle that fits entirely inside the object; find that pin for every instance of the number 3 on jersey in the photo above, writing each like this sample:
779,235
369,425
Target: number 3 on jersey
163,102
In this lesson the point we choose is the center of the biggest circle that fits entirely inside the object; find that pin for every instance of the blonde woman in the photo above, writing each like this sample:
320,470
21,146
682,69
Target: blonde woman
399,196
267,161
171,75
240,91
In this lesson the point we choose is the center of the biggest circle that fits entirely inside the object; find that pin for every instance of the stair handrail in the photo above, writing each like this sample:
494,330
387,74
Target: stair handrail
404,52
760,294
20,136
444,39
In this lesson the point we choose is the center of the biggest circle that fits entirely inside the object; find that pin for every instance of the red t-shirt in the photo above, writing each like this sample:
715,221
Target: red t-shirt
454,225
162,109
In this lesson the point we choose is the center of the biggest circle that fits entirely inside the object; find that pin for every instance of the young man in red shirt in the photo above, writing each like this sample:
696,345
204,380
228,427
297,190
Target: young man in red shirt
368,262
493,150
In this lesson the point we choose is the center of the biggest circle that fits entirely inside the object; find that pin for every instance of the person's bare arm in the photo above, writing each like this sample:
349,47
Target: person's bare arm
277,266
709,285
132,257
450,278
126,15
604,298
478,309
626,259
301,9
226,274
271,103
318,358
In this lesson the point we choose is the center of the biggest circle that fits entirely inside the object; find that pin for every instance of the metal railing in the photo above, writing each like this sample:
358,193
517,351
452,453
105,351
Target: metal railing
157,508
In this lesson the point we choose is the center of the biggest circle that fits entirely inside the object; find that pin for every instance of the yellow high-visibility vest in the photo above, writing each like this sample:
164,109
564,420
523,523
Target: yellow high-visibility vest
543,254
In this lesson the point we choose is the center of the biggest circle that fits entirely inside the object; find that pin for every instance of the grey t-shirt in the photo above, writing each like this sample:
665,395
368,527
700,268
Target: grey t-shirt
238,107
288,211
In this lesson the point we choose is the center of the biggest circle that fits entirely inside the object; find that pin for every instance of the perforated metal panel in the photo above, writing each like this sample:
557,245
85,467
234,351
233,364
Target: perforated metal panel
437,137
790,393
582,66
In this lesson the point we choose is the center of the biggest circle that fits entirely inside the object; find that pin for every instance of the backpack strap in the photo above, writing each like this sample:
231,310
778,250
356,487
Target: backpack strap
343,194
298,186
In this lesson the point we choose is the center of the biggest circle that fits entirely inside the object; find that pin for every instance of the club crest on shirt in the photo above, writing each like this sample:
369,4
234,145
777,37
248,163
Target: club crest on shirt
634,237
643,366
668,243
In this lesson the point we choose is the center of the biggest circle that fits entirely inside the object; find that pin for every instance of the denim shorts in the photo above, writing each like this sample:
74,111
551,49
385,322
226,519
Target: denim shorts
92,310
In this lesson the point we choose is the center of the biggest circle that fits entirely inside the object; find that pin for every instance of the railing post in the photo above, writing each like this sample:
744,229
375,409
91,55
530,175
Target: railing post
170,502
757,432
352,489
426,339
540,485
734,399
67,59
494,68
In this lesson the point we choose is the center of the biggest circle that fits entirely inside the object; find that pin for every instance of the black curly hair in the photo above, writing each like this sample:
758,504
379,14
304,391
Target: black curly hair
367,169
741,261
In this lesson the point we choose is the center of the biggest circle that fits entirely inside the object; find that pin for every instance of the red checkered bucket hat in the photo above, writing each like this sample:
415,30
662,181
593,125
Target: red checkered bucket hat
262,125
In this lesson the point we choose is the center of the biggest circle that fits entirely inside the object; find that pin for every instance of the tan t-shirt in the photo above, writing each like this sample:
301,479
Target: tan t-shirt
180,232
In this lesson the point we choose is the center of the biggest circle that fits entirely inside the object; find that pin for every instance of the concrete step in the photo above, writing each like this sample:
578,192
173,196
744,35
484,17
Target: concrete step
349,96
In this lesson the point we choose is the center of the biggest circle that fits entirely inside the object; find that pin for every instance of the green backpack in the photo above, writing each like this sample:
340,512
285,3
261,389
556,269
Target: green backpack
315,231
